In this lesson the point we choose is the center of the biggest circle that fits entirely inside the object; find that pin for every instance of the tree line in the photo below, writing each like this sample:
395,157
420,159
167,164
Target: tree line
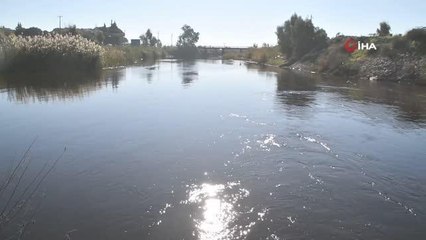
298,37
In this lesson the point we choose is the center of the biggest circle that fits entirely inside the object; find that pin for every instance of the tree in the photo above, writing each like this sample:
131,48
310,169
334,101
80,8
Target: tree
19,30
149,40
113,35
32,31
384,29
297,37
186,48
418,36
188,38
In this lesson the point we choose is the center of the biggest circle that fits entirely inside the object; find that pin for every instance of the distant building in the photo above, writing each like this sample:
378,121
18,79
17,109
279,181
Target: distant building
135,42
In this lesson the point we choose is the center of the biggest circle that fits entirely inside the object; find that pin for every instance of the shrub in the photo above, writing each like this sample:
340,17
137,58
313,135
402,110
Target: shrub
387,51
418,36
400,43
51,52
120,56
114,57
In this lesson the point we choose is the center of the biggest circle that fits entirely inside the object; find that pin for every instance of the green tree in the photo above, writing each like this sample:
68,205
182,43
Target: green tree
19,30
149,40
32,31
113,35
186,47
418,37
298,37
188,38
384,29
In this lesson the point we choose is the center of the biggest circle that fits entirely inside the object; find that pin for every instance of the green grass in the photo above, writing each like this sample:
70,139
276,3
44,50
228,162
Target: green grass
127,55
264,55
67,52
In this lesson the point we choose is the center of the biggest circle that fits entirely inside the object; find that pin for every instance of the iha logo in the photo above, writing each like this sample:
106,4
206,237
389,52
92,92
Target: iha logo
351,45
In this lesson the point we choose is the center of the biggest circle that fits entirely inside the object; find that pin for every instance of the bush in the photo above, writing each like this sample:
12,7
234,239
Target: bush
120,56
114,57
332,59
387,51
418,36
53,52
400,43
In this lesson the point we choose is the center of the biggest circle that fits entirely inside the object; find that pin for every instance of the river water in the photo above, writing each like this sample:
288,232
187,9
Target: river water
218,150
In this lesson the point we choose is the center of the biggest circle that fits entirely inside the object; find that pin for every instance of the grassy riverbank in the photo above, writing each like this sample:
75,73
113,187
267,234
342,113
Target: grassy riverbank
56,52
127,55
397,58
262,56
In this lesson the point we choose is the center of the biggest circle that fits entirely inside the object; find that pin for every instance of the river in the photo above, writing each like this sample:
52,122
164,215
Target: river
219,150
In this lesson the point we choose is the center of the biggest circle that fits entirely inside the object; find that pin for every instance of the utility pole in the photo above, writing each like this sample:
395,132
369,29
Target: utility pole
60,22
158,38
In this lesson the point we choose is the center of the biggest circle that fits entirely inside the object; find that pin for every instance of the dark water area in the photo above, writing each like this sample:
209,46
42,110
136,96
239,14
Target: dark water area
219,150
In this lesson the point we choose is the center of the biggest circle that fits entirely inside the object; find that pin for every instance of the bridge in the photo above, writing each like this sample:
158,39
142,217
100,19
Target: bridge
221,50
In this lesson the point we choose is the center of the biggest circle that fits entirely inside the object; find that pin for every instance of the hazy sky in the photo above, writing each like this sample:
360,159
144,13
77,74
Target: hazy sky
230,22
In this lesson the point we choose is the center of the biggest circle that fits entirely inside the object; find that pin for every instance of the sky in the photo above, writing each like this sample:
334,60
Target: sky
220,22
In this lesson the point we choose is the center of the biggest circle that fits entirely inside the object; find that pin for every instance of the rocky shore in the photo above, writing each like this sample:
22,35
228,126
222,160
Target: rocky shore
403,68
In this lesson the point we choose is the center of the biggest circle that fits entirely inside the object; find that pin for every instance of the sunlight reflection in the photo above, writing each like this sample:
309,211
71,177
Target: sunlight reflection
219,216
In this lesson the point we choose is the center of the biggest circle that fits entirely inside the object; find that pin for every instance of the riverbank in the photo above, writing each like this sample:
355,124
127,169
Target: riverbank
270,56
55,52
390,62
395,60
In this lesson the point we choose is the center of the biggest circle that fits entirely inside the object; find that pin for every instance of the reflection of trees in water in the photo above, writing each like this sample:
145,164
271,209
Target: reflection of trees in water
408,99
47,87
113,77
264,70
300,90
149,71
295,89
188,72
149,77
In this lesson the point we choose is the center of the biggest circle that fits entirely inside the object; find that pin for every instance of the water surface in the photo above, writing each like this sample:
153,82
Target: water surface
219,150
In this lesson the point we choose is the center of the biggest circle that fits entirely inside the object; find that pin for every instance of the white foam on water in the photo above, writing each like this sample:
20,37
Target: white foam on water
309,139
274,237
404,206
313,140
247,119
316,179
292,221
268,142
237,115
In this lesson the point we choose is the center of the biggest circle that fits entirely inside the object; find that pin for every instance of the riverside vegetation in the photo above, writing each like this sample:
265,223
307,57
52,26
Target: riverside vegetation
71,49
301,46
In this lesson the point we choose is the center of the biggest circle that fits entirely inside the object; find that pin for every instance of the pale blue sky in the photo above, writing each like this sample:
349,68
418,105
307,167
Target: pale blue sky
230,22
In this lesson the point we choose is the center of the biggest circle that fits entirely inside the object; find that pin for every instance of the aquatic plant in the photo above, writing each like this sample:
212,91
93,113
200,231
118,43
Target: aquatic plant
18,189
56,44
53,52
